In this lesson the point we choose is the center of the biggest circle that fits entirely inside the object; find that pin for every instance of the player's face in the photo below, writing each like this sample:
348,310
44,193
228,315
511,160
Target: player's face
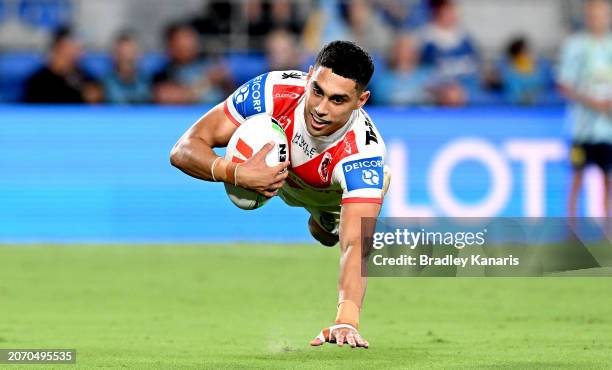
330,101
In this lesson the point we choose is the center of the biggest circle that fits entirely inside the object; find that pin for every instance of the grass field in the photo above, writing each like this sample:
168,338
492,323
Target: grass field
258,307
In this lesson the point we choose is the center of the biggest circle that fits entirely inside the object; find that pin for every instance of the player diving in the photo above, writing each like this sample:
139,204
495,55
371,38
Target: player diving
336,165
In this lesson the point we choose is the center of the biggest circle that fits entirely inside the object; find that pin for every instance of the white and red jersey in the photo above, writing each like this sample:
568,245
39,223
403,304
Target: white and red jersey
326,171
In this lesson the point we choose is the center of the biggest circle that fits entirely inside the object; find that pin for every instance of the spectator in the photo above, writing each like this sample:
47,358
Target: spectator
263,17
255,22
126,84
216,19
187,78
61,80
405,81
357,21
366,26
585,77
523,76
281,51
404,14
451,51
283,14
214,24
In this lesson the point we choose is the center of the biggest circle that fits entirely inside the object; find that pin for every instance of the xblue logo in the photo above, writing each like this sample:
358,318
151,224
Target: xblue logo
364,173
250,98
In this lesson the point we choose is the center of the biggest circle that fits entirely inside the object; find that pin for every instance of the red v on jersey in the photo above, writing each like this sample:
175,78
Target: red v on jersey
317,171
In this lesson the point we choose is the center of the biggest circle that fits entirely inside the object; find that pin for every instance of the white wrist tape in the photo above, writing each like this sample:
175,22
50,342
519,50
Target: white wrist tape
212,168
331,329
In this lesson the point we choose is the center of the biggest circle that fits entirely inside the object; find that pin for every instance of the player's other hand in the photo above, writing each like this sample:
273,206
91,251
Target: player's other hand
340,334
256,175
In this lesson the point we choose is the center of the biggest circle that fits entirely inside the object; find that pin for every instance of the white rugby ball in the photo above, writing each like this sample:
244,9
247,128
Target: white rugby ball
246,141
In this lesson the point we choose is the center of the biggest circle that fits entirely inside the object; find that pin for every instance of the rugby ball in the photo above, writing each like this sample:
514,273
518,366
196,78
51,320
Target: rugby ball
246,141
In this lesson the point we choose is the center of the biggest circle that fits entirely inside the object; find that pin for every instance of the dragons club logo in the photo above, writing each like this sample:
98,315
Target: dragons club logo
324,167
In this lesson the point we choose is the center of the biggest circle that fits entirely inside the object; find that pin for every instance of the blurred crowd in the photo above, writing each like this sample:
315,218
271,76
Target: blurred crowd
422,53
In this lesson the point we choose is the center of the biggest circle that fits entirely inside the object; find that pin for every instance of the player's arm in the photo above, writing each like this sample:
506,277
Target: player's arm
194,155
351,283
363,180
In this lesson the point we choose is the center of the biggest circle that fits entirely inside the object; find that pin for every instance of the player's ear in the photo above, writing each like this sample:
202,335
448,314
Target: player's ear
363,98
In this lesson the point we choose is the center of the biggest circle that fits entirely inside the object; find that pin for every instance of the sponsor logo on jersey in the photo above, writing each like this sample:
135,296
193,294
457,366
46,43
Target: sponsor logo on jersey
241,95
299,140
287,75
286,98
370,134
287,95
370,177
250,98
364,173
324,167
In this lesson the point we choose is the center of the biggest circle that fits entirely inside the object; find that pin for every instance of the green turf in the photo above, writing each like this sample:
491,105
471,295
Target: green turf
257,307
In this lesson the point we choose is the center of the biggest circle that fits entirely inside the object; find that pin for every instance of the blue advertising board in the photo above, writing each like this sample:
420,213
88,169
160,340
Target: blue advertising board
102,174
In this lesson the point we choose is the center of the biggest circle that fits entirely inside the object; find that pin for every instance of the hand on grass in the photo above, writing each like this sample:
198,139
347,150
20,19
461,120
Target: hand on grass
340,334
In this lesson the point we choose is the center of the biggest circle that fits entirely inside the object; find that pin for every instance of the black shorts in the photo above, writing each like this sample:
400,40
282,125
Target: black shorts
583,155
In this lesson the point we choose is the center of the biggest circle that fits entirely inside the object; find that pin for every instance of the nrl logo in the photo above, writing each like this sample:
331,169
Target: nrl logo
284,121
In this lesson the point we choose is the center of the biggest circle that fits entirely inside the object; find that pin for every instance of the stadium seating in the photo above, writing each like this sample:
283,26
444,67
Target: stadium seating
16,66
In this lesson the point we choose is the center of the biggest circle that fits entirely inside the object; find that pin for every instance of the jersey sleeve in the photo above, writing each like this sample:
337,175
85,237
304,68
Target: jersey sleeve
248,100
361,177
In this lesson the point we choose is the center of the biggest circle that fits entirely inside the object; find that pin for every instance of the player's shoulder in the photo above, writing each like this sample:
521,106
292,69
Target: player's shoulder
367,137
266,93
284,91
290,77
285,86
265,84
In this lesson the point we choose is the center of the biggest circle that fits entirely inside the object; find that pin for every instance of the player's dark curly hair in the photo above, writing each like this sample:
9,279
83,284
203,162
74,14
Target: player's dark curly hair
348,60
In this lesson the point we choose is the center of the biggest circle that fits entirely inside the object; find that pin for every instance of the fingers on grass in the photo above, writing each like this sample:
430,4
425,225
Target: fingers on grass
360,341
340,339
350,339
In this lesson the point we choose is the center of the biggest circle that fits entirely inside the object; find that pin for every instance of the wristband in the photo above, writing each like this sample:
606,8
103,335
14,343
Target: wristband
230,173
236,175
212,168
348,313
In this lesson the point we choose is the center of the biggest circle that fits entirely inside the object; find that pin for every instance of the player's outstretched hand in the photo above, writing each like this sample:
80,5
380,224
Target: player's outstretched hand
256,175
340,334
